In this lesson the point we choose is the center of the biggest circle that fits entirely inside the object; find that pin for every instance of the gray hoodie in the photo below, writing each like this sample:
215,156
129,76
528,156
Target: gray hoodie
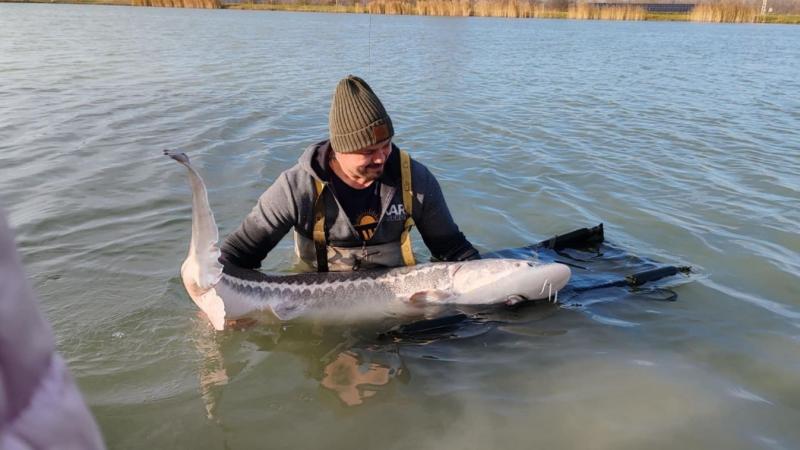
289,203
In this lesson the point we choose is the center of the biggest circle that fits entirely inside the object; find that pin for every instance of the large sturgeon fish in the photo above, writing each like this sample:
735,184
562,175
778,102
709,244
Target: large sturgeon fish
347,296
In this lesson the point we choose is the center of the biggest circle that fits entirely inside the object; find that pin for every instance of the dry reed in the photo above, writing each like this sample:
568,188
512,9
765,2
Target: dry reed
389,7
501,8
443,8
585,11
462,8
738,11
725,11
206,4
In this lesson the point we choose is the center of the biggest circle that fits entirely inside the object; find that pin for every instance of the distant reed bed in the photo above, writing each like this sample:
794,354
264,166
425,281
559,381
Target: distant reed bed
731,11
736,11
442,8
206,4
587,11
514,8
463,8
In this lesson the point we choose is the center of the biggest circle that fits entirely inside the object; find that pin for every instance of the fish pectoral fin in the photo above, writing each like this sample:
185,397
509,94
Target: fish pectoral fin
512,300
286,310
431,296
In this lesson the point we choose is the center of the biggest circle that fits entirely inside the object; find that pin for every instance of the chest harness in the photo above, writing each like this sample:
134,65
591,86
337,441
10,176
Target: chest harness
320,241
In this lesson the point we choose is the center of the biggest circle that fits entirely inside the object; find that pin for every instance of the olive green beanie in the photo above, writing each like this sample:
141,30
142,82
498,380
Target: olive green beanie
357,118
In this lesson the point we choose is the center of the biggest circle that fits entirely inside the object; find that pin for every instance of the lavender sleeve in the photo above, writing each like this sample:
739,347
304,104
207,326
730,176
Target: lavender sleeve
40,406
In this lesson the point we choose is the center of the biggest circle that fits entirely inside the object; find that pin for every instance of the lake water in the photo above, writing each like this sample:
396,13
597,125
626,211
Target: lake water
684,139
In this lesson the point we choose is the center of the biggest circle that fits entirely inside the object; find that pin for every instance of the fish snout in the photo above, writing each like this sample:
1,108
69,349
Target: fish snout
558,275
546,280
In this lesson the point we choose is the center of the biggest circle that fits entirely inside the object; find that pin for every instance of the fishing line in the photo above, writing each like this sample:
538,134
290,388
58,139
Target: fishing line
369,40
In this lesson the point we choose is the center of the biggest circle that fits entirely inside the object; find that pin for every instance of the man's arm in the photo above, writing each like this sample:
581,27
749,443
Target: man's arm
435,223
262,229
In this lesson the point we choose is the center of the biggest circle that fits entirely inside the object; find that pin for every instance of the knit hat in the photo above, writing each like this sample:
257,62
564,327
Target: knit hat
357,118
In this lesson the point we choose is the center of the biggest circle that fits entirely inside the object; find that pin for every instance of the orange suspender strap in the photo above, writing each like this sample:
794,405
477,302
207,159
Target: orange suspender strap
320,244
405,237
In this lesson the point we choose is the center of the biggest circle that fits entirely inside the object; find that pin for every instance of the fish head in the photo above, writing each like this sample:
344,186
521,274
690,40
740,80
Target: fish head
495,280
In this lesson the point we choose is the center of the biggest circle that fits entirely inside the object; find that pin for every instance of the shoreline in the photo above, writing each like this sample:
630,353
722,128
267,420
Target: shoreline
379,9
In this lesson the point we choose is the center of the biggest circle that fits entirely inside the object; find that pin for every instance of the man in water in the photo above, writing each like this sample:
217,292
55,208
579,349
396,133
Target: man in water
349,198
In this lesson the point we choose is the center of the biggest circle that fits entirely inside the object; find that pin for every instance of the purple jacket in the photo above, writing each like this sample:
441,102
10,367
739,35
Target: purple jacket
40,407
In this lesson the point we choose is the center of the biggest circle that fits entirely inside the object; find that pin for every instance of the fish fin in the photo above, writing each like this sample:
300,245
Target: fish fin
512,300
211,304
431,296
180,157
285,310
202,262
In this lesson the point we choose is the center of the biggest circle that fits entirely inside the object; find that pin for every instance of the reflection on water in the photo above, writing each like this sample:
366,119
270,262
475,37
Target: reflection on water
211,368
358,374
347,365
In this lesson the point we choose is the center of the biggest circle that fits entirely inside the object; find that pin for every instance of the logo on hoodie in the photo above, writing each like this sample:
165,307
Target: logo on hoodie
368,221
366,224
395,213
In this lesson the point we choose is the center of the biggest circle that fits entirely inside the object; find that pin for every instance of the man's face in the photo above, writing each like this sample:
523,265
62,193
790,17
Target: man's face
366,164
